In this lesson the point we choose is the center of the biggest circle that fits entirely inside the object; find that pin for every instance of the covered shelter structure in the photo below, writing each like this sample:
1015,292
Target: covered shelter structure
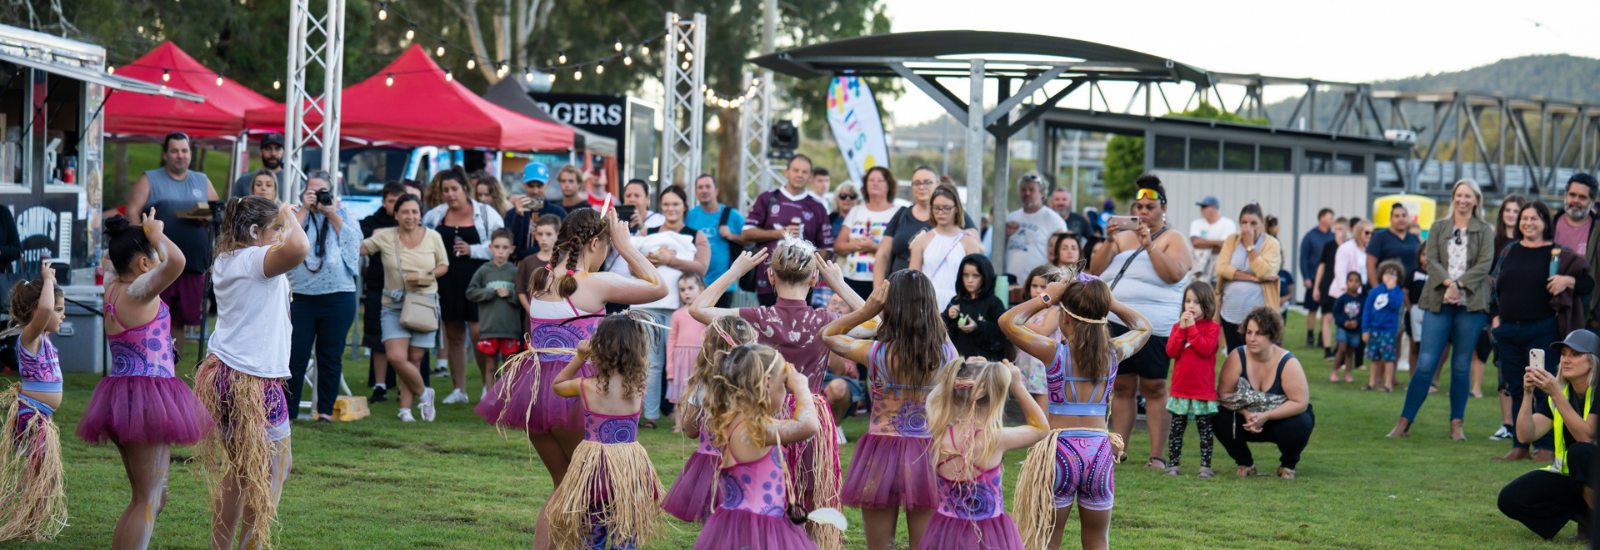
168,66
1033,76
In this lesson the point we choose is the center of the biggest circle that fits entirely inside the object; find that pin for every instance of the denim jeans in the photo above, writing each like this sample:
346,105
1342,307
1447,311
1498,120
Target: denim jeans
658,363
1512,342
1453,325
324,321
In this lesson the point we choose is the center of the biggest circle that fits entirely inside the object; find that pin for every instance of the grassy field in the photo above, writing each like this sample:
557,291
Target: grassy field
455,483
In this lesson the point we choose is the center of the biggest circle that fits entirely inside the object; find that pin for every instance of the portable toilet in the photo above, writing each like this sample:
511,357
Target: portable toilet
1422,211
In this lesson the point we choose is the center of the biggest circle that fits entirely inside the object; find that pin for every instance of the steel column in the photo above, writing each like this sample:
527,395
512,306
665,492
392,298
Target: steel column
313,41
683,112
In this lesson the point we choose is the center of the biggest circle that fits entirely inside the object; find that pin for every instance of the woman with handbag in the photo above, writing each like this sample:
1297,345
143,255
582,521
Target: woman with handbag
1266,396
1148,268
414,258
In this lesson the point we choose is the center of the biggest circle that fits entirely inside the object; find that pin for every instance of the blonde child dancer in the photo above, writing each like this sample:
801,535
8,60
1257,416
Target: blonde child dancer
743,394
611,495
692,493
33,503
141,406
248,459
683,344
965,411
1193,346
1075,463
892,468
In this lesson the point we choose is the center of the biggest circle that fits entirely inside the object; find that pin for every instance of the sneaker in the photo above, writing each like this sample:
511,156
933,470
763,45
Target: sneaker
379,395
483,394
439,372
840,431
456,396
427,405
1327,354
405,416
1502,434
1311,341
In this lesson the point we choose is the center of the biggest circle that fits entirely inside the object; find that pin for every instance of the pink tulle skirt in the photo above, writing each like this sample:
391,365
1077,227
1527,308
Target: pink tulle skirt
950,533
682,363
692,494
745,529
890,471
522,410
144,410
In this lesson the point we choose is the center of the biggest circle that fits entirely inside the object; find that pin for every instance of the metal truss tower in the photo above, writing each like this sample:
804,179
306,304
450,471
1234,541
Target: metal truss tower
684,104
314,41
755,117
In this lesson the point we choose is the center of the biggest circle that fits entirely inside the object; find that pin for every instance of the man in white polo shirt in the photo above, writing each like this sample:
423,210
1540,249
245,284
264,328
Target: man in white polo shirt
1028,231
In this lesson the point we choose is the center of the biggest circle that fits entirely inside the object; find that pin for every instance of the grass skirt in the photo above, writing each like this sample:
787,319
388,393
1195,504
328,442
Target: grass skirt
33,499
693,494
611,495
745,529
951,533
143,410
890,471
523,398
1035,502
814,466
241,445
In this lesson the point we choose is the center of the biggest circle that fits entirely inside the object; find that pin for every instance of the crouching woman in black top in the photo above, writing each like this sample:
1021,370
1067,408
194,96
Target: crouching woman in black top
1547,498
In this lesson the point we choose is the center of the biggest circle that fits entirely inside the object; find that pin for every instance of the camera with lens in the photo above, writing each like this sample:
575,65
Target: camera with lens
324,197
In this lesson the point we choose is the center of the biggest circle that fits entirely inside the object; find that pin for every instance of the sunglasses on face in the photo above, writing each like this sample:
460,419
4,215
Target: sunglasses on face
848,196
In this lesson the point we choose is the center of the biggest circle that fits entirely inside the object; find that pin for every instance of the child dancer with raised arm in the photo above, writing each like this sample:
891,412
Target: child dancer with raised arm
692,493
34,504
1075,463
141,406
965,410
565,294
248,459
611,495
743,396
893,467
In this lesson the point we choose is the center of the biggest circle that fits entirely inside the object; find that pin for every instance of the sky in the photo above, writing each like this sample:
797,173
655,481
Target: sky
1347,40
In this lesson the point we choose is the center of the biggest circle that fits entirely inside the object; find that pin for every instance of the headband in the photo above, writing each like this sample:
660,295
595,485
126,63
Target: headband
725,336
1086,320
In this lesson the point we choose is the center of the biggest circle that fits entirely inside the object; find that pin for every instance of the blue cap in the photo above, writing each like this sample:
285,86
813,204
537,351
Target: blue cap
536,171
1210,200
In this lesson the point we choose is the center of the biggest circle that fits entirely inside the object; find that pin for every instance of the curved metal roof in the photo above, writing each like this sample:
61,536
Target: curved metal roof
927,50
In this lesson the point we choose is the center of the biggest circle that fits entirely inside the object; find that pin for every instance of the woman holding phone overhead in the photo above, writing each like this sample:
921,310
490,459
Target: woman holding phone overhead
1147,269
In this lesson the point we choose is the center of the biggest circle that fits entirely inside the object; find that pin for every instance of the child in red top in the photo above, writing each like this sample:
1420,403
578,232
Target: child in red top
1194,375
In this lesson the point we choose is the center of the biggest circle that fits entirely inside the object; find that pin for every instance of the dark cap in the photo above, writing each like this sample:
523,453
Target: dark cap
1581,341
272,138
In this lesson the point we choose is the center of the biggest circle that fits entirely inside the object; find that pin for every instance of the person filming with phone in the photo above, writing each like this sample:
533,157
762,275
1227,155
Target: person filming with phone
1547,498
1535,296
1147,266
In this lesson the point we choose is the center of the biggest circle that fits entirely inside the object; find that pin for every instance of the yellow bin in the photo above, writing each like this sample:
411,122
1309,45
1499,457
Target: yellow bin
1422,210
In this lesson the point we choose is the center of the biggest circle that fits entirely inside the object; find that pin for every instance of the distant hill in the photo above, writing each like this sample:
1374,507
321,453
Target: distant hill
1556,77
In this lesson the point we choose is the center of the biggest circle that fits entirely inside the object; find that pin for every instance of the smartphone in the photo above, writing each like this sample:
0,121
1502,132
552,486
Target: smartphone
1536,358
625,212
1122,223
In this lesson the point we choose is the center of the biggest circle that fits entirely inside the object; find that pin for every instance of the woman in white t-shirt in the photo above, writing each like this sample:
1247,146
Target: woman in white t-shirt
246,459
865,224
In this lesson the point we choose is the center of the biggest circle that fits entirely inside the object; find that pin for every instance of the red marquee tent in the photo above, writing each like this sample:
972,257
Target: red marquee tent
222,114
421,107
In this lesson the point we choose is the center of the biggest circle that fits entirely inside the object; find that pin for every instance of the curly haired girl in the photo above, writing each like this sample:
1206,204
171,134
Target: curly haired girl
35,505
691,495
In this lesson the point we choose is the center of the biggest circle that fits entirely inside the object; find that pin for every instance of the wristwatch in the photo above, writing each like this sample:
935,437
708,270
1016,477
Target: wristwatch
1250,248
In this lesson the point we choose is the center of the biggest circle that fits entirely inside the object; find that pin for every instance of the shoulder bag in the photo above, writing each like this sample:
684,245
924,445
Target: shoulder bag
1130,259
418,312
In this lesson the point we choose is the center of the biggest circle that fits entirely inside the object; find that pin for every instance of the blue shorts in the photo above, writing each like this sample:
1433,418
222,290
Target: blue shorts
389,318
1351,337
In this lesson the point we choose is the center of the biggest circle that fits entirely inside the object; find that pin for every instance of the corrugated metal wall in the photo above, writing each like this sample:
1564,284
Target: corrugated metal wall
1274,192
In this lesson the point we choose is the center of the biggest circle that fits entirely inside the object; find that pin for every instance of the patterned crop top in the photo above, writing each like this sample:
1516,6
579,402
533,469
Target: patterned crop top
1059,379
553,326
756,486
145,350
607,428
980,497
41,372
898,409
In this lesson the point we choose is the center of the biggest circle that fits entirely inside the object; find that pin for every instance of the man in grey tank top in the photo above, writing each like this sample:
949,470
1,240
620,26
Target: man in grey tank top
174,189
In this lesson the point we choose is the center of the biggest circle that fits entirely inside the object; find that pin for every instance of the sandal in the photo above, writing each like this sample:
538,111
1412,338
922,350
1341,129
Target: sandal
1122,458
1247,471
1366,387
1285,473
1152,462
1172,470
651,424
1388,389
1206,473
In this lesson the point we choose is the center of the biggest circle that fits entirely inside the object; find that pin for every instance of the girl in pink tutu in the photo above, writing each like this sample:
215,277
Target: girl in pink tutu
564,296
742,398
611,496
140,405
34,506
1075,462
892,468
241,381
965,410
683,345
691,495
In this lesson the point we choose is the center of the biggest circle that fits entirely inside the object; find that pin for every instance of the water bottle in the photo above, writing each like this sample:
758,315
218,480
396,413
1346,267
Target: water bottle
458,241
70,174
1555,260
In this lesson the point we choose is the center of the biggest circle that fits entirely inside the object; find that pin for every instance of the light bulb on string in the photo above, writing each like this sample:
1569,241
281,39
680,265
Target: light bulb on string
681,46
219,79
527,76
389,80
577,75
471,63
599,69
276,84
383,11
689,56
440,52
111,69
411,33
561,57
686,65
627,60
448,76
165,75
644,49
552,78
618,45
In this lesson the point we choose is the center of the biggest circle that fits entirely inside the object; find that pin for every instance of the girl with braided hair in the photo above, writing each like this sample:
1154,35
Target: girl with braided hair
1075,463
141,406
34,504
248,459
564,296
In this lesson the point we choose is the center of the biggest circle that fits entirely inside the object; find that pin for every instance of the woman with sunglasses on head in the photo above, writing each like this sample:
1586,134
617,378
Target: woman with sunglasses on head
894,251
1147,267
865,227
1454,301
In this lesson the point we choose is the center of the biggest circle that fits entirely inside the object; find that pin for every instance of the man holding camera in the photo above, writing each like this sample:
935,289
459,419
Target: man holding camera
175,191
324,287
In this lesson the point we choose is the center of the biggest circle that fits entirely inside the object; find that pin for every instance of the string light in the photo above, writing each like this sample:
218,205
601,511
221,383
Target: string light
599,69
219,79
411,32
471,63
448,77
276,84
527,75
685,65
561,57
618,45
577,75
644,49
627,60
440,52
689,56
681,46
383,11
389,80
165,76
111,69
552,78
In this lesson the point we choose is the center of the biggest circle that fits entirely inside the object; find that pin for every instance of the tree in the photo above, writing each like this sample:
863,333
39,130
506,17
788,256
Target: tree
1125,154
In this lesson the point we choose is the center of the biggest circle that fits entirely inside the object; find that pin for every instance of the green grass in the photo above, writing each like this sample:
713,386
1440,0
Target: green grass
455,483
